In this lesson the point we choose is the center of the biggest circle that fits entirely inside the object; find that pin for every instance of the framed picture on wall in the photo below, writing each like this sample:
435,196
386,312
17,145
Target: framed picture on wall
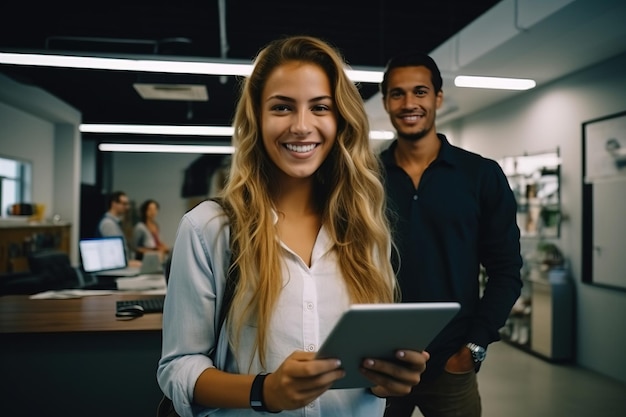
604,201
605,148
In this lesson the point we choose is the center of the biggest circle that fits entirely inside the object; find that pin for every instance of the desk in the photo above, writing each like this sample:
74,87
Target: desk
74,358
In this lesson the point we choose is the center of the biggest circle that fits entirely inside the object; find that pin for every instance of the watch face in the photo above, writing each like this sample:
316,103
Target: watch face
478,352
479,355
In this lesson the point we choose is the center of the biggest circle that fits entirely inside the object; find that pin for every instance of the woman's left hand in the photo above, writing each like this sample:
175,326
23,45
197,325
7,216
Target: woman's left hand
395,379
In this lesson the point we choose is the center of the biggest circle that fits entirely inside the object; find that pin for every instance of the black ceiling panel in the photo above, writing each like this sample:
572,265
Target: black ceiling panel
367,35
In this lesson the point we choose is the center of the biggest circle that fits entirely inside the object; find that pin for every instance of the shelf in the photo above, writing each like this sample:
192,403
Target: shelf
536,181
17,241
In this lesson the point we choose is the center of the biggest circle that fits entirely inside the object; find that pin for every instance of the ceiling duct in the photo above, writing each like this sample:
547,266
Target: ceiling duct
183,92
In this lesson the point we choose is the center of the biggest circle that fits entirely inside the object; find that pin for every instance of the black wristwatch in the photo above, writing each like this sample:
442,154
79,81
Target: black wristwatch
256,394
479,354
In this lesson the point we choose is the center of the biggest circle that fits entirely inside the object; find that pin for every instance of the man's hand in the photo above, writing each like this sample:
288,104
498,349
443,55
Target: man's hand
461,362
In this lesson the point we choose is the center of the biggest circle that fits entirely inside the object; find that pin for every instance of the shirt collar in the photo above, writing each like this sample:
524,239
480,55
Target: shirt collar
323,242
446,152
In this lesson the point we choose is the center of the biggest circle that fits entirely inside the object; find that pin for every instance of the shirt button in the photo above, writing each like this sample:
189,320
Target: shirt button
311,348
415,197
309,306
311,405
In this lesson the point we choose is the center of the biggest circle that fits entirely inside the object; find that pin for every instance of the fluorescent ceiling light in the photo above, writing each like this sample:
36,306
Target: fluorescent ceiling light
154,148
189,130
158,129
365,76
155,65
494,82
126,64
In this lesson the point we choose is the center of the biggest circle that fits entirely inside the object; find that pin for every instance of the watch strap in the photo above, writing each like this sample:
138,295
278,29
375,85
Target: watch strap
257,403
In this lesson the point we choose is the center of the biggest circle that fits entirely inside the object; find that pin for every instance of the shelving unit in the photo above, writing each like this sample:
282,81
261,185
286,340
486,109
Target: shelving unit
18,240
536,182
542,319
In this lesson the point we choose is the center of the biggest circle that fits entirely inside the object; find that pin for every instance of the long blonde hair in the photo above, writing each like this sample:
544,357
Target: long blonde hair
348,190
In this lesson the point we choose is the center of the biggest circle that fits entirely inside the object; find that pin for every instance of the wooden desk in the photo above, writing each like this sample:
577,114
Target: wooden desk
74,358
19,314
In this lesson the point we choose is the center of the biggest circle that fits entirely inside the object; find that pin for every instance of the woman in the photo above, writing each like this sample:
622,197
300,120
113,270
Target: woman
146,236
305,212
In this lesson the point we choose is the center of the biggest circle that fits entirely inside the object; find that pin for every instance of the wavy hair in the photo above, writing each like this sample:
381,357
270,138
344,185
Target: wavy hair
348,189
143,209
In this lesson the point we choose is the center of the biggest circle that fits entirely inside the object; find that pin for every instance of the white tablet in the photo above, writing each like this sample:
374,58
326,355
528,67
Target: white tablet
378,330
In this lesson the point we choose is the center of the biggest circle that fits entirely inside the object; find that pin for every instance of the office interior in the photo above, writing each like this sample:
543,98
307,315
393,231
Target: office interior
38,127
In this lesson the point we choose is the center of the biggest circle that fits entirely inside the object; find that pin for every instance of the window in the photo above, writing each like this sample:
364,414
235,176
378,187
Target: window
15,183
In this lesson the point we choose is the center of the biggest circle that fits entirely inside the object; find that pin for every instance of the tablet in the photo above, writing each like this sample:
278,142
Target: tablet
378,330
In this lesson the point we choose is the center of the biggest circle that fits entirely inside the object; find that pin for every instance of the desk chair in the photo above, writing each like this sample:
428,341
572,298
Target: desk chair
22,283
55,269
49,270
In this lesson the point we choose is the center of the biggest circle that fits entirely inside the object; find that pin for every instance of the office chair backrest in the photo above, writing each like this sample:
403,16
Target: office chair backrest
54,267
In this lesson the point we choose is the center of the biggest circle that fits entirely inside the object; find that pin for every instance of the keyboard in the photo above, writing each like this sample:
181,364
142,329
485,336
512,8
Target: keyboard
150,305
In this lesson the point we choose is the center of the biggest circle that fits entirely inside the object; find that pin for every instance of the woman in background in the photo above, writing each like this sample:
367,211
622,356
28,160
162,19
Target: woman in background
146,235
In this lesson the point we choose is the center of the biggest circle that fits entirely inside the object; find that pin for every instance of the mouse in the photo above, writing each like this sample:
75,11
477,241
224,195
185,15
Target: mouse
133,310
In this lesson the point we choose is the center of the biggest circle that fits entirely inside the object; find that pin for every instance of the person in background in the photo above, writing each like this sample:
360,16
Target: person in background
452,211
111,222
304,211
146,234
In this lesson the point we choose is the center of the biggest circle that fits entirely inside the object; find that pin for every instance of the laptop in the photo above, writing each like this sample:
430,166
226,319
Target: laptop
105,257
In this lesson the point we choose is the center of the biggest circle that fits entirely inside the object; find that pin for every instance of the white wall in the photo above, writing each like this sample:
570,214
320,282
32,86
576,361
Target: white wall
157,176
541,120
20,133
38,127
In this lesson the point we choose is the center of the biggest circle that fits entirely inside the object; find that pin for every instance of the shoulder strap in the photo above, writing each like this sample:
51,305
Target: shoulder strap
232,277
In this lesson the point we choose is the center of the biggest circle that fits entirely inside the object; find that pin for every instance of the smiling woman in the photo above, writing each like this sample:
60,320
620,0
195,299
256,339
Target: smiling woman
304,191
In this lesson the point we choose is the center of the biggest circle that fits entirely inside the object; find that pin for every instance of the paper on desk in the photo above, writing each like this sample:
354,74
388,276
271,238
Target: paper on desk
142,283
69,293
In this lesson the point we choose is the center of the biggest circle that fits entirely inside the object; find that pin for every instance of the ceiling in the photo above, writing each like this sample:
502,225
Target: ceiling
367,36
520,38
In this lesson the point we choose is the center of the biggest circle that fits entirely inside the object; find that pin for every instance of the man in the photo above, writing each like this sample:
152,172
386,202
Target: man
111,222
452,212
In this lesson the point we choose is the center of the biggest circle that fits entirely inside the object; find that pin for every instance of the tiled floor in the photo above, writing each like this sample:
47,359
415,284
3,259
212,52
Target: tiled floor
514,383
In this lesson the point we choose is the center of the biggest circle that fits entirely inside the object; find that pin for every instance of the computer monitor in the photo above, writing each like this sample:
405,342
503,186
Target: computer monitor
102,254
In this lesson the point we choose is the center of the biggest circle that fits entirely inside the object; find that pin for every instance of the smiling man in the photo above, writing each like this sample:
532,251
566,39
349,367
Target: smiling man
452,212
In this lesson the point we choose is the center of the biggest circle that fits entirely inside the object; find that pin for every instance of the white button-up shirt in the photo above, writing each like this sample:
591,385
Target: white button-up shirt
311,301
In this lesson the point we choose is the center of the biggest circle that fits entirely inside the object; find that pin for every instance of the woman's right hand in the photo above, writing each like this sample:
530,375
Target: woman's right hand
299,380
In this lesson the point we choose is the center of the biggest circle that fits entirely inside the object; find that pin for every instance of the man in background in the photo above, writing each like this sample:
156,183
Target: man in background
452,211
111,222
